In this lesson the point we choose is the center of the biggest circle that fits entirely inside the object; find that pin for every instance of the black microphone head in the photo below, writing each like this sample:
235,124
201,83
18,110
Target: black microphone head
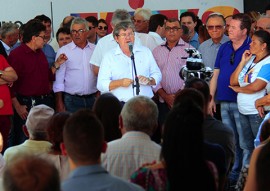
130,46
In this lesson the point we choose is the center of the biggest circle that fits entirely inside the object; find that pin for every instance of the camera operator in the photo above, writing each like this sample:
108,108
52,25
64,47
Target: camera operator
169,57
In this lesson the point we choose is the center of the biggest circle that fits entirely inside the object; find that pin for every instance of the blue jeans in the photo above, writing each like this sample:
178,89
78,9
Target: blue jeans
250,125
230,117
74,103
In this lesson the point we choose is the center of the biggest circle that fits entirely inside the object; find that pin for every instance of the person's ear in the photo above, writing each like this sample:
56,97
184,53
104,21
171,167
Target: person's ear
104,147
63,149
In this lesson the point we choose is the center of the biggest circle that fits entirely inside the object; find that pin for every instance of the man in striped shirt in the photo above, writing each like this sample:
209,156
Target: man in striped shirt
170,57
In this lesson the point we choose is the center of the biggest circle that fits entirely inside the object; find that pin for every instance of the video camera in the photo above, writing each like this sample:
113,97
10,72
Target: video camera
194,67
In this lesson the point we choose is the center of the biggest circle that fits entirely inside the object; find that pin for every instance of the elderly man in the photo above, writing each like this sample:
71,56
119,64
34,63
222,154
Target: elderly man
75,84
228,57
9,33
36,129
170,58
141,20
137,120
126,72
83,143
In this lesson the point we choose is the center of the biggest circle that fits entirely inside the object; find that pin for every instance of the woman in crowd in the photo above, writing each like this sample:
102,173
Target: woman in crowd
249,80
107,108
102,28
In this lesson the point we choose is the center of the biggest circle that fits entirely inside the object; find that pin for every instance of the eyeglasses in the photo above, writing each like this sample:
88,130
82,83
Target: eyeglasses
138,21
217,27
124,35
103,28
43,37
174,29
90,28
232,58
80,31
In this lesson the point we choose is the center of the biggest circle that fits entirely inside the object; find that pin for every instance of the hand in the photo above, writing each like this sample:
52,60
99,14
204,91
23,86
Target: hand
22,111
1,142
149,164
126,82
246,56
143,80
169,99
60,107
1,103
261,111
60,60
212,107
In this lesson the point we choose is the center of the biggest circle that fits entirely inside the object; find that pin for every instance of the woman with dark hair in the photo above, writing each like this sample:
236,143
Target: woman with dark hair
107,108
102,28
55,136
249,80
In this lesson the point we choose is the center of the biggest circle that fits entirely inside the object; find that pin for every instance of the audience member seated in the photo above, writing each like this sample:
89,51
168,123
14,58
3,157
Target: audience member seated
31,172
36,129
83,143
183,164
137,121
55,135
107,108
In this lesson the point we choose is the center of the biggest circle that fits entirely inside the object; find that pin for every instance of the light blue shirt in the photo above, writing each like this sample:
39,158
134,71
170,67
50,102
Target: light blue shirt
116,65
96,178
194,41
75,76
49,53
209,51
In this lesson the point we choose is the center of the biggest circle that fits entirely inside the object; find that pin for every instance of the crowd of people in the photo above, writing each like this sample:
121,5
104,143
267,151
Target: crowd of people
99,111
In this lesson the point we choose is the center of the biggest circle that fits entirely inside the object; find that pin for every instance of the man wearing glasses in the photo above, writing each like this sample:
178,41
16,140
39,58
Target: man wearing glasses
92,34
141,20
170,57
75,84
228,57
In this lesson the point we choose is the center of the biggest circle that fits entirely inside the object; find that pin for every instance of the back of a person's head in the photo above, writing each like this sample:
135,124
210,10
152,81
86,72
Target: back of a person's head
182,148
30,172
140,113
201,86
55,130
107,107
83,137
120,15
262,168
155,21
37,121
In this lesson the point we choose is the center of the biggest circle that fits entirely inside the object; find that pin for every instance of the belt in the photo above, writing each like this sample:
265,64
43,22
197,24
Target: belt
34,97
82,96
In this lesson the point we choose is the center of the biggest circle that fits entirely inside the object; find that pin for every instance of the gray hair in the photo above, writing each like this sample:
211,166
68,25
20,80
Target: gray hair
216,15
120,15
145,13
140,113
79,20
123,26
8,28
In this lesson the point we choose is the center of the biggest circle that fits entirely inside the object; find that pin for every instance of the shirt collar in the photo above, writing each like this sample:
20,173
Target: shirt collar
73,45
86,170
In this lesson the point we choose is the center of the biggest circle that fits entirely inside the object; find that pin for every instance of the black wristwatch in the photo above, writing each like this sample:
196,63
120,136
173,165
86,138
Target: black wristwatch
55,66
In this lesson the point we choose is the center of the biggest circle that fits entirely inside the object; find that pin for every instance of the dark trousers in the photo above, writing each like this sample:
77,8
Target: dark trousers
17,135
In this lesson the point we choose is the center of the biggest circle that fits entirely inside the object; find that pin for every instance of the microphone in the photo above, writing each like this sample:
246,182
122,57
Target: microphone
130,46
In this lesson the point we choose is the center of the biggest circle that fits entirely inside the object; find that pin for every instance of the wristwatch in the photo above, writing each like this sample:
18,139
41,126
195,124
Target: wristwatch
1,73
149,80
55,66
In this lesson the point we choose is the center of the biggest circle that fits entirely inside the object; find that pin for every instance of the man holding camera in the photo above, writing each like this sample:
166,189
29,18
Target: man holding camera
170,57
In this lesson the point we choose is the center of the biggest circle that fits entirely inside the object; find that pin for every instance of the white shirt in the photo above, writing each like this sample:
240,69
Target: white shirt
75,76
147,40
157,38
116,65
125,155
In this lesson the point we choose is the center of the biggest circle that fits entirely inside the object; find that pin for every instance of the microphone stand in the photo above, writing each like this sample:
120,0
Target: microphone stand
137,85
